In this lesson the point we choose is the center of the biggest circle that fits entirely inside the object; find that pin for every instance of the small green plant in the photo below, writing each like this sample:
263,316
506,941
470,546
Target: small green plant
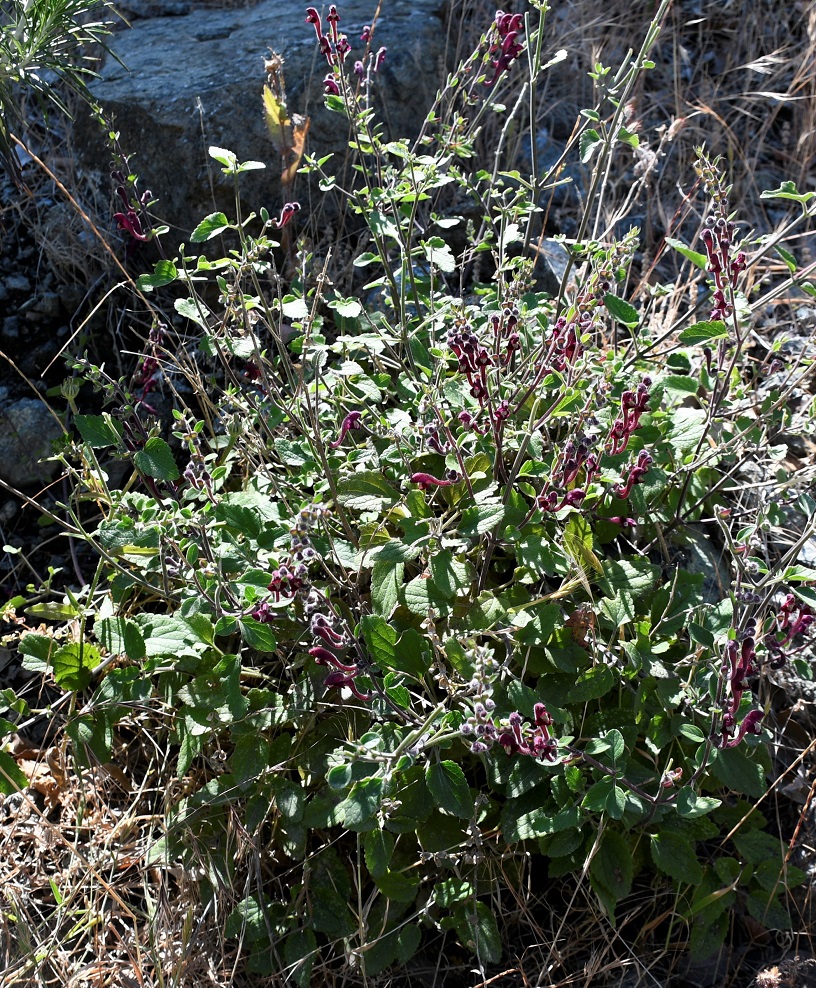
41,40
408,588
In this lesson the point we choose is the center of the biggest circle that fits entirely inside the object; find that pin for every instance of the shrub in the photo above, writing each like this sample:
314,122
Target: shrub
409,589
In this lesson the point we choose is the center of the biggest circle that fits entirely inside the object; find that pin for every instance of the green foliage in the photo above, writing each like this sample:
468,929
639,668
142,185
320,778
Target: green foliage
415,561
41,40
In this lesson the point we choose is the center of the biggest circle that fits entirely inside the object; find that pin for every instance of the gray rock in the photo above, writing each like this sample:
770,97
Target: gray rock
26,431
17,283
196,80
10,329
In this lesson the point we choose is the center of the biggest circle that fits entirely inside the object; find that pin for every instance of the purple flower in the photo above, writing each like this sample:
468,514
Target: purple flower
380,58
426,480
323,657
312,17
351,421
330,87
287,212
337,680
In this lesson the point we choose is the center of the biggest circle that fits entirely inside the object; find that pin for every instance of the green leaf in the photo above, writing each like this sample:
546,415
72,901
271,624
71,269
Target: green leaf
588,144
420,595
380,639
366,491
704,332
362,802
612,867
224,157
348,308
379,847
396,886
621,311
408,940
451,891
736,770
480,519
592,685
98,431
294,307
386,582
73,664
598,794
676,857
768,910
477,929
52,610
193,310
412,654
682,386
451,577
299,955
636,575
787,190
536,623
788,258
628,137
526,818
120,636
699,260
166,634
448,786
164,273
439,254
12,778
257,635
156,460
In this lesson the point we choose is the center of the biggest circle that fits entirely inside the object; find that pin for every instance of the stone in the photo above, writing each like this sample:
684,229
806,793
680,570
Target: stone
10,328
26,430
17,283
196,79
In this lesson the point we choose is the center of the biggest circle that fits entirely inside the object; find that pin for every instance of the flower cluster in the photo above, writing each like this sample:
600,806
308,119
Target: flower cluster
511,733
739,663
473,358
148,374
292,576
288,211
794,618
335,46
129,218
518,738
432,440
718,239
633,405
324,627
574,459
505,49
568,331
636,473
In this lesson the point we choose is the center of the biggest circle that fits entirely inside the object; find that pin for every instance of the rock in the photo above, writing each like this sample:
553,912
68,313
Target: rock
11,328
196,80
17,283
26,430
551,265
42,307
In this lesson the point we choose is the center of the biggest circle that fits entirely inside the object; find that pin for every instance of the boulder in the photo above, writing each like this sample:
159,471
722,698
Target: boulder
193,76
26,430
